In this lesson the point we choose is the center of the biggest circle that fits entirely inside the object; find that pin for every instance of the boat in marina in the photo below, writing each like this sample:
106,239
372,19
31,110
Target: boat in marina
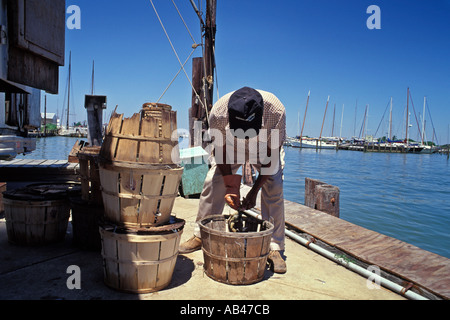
79,132
311,143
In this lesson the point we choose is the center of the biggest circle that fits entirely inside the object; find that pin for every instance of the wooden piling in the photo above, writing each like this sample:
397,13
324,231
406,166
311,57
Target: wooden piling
310,190
327,199
322,197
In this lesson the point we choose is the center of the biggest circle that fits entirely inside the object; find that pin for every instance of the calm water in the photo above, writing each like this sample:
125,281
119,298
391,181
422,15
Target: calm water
405,196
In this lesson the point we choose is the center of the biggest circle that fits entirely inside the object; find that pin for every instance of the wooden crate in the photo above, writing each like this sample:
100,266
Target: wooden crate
234,258
139,195
144,138
140,261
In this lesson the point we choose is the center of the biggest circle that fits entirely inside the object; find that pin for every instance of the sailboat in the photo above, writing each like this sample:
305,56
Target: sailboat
410,147
68,131
426,147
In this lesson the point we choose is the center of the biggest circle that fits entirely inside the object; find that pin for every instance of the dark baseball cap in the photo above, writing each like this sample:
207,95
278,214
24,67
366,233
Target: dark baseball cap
245,111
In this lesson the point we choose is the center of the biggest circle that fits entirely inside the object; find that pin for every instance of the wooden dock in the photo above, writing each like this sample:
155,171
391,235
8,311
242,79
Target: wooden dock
427,272
23,170
421,268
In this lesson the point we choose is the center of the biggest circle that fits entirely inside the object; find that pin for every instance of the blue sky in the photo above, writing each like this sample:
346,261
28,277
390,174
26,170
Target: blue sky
287,47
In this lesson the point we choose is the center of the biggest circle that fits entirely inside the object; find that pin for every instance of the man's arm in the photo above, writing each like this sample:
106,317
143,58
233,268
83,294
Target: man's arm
250,200
232,182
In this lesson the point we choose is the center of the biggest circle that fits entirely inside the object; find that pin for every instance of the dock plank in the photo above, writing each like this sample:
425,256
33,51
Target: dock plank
48,163
38,170
9,163
19,163
424,268
33,163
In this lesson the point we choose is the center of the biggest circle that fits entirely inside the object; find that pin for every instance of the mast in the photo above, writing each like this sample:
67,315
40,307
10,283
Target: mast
324,115
203,72
423,120
68,95
304,118
209,53
45,116
390,122
334,114
342,120
363,128
92,86
366,129
354,124
407,117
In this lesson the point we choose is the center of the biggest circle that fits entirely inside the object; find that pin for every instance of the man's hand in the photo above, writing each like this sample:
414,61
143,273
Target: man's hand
232,194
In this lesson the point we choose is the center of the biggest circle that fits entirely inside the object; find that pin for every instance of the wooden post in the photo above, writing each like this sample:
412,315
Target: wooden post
94,106
310,190
209,56
322,197
327,199
197,112
203,70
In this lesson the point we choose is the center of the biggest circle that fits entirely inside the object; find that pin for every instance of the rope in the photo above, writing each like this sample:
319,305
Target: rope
193,40
175,76
175,52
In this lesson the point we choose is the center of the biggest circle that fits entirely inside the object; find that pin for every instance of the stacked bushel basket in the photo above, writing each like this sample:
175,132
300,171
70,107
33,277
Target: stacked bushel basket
139,182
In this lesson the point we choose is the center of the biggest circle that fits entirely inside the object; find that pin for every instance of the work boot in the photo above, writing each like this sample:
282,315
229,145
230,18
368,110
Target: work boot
193,244
277,264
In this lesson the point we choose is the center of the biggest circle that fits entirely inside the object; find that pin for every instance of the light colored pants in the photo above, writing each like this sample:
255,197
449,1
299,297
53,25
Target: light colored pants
212,201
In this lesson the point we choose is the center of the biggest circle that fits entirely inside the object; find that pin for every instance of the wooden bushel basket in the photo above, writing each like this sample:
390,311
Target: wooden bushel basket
145,138
234,258
139,195
37,215
140,261
89,175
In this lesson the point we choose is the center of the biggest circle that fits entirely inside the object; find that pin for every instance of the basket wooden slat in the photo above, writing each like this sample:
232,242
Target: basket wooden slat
139,196
234,258
35,223
139,263
146,137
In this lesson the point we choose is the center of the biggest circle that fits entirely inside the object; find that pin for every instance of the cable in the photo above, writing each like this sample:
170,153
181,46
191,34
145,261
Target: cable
175,76
193,40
